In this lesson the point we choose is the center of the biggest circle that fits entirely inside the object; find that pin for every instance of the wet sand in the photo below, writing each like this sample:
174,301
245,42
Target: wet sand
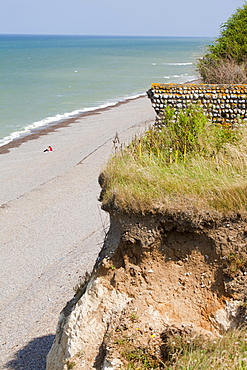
52,224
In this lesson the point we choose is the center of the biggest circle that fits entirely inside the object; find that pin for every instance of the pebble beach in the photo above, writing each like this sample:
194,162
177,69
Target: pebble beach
52,223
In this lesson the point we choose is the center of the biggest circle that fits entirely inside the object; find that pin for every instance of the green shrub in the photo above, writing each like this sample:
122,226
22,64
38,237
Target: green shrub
190,160
232,42
225,61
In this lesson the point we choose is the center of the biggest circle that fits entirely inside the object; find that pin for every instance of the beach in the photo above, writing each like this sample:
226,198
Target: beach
52,223
46,79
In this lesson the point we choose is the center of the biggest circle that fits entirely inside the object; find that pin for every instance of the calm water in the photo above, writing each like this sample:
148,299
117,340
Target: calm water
46,78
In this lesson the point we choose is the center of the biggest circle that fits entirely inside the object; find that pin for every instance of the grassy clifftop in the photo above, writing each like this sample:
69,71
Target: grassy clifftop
189,164
167,286
194,168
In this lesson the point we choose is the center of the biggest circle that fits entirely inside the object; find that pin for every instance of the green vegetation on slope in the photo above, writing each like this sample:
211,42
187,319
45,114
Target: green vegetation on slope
182,352
226,60
188,164
226,352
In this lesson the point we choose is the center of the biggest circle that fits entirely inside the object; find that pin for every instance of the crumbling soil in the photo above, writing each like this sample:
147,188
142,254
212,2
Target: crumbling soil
186,276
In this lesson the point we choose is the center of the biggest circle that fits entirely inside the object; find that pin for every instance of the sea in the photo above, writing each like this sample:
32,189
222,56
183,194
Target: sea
46,79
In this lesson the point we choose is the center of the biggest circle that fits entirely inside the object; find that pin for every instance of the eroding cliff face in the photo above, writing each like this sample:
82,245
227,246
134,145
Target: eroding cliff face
154,272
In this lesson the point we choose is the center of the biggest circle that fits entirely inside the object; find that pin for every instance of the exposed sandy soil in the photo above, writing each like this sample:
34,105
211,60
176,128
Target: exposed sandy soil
181,276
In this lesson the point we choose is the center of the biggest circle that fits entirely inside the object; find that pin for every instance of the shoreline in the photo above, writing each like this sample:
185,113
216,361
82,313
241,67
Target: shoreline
51,127
52,224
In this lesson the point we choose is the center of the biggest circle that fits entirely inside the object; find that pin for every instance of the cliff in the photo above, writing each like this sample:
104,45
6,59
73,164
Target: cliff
157,272
174,261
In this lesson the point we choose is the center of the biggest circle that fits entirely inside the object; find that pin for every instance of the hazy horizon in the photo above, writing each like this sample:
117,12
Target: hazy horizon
180,18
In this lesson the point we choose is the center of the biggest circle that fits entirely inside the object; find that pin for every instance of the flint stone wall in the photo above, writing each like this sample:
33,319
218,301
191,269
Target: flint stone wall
224,104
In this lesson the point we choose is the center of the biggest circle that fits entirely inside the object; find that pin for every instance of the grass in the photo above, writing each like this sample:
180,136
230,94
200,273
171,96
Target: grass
188,163
70,364
182,352
227,352
138,356
142,358
236,262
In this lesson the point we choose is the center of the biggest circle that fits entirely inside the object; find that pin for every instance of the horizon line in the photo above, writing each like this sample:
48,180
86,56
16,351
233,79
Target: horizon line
94,35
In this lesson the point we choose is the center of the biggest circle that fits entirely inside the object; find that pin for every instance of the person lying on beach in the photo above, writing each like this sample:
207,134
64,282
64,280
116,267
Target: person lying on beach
49,149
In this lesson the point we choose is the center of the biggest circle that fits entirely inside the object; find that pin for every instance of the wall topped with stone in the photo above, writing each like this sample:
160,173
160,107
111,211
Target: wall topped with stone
224,104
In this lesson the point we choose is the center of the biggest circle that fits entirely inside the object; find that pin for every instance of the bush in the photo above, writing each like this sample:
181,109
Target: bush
226,60
222,71
190,161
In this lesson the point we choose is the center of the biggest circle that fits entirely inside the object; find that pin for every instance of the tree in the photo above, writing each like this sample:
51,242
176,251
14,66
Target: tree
228,53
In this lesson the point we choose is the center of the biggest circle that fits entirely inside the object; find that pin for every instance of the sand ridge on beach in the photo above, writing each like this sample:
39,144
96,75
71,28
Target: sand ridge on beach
52,226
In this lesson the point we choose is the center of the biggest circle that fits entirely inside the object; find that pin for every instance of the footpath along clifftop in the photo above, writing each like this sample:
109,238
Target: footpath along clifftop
176,268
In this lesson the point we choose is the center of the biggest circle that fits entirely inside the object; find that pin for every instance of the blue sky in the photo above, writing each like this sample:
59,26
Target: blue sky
116,17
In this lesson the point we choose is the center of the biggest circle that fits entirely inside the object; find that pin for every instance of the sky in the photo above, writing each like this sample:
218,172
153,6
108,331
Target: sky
201,18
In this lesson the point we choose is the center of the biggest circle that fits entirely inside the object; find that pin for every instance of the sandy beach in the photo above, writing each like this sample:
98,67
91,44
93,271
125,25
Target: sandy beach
52,227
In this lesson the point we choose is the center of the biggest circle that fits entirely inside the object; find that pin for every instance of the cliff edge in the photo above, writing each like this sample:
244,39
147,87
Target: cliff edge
174,260
157,273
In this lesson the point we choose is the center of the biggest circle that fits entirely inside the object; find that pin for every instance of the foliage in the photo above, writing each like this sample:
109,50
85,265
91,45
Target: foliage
183,134
181,351
186,133
142,358
236,262
226,352
189,160
70,364
225,61
233,39
138,356
222,71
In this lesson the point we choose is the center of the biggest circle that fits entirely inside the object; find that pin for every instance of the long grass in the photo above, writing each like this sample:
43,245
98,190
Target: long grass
186,164
186,352
227,352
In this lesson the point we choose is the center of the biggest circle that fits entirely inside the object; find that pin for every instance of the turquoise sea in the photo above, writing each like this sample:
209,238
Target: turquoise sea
44,79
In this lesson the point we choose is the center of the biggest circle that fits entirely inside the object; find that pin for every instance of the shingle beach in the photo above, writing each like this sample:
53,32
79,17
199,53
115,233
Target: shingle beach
52,226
